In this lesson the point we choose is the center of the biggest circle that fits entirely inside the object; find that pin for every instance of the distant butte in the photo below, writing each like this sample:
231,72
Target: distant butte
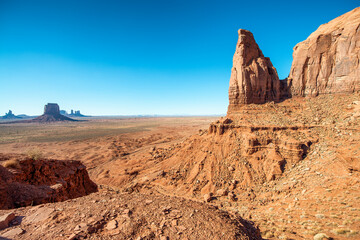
51,114
10,115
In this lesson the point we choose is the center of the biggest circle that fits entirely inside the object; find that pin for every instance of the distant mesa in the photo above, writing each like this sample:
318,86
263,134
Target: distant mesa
63,112
76,113
24,116
73,113
10,115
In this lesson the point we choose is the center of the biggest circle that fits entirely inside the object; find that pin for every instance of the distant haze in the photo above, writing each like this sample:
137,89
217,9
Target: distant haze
141,57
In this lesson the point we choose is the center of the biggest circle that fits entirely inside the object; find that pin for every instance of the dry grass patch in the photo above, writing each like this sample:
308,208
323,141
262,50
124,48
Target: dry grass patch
12,163
34,154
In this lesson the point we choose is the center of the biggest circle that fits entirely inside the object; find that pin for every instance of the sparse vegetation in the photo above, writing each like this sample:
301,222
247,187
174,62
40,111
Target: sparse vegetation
34,154
340,231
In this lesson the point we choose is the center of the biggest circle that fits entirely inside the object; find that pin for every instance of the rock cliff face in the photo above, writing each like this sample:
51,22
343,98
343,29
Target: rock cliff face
52,108
24,181
253,77
328,60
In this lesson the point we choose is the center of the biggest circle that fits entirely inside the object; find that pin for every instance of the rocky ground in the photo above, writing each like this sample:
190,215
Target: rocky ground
109,214
316,194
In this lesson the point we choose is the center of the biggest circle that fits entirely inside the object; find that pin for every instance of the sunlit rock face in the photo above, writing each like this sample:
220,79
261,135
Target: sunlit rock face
328,60
253,77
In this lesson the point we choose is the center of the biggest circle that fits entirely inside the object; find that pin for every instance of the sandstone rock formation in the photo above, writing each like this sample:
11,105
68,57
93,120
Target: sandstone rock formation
52,109
52,114
76,113
253,77
328,60
25,181
9,115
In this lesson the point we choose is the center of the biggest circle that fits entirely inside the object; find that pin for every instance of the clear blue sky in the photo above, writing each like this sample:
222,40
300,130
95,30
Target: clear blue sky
141,57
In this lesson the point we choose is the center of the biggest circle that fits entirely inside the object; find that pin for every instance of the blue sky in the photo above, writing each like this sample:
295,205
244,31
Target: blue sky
141,57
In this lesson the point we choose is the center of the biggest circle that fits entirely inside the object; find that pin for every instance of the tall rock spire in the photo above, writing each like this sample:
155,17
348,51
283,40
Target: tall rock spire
253,77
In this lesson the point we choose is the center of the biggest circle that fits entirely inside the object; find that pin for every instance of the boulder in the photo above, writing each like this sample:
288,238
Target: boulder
6,219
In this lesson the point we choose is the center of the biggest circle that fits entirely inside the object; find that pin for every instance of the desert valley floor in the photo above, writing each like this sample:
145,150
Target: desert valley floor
141,165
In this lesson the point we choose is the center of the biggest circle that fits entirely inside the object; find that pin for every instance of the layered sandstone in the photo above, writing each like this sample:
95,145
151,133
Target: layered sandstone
25,181
253,77
328,60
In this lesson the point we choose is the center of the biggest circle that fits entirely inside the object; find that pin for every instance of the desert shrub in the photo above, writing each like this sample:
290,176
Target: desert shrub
340,231
12,163
34,154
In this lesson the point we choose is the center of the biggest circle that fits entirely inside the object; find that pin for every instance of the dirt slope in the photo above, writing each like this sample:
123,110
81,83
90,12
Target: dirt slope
112,215
297,159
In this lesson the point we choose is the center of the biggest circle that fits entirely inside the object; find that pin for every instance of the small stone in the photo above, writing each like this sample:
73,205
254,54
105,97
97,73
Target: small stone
6,219
13,232
127,212
72,237
207,198
182,228
321,236
40,215
112,225
80,227
231,168
231,196
221,192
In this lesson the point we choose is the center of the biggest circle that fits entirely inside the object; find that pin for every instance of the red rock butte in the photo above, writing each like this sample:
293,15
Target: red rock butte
326,62
52,114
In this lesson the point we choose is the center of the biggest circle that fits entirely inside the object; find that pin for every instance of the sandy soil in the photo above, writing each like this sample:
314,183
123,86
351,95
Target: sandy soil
101,144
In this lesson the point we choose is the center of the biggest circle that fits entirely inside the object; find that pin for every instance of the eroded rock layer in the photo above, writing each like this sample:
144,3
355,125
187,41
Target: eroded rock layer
24,181
328,60
253,77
